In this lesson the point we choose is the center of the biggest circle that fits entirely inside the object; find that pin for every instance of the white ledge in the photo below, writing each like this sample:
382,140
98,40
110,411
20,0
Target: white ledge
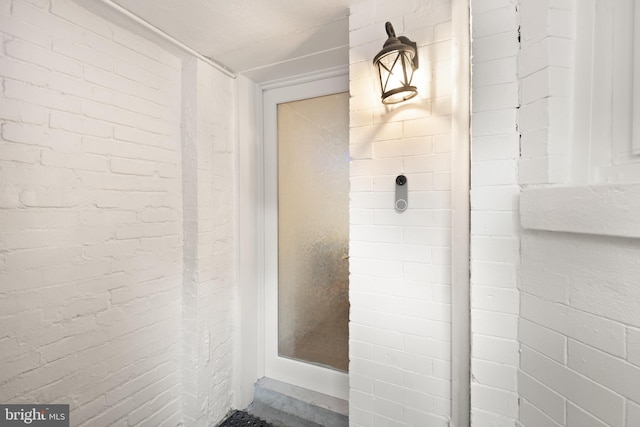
606,209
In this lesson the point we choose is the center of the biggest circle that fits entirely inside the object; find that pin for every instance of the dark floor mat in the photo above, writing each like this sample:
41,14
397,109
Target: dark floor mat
242,419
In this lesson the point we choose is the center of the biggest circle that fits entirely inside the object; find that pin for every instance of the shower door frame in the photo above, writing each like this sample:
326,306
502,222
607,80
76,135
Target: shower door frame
313,377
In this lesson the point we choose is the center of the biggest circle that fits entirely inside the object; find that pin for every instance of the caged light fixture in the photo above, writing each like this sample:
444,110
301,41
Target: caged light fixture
396,63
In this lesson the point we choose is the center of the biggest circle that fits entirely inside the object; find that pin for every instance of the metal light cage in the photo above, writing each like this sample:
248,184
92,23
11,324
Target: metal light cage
396,63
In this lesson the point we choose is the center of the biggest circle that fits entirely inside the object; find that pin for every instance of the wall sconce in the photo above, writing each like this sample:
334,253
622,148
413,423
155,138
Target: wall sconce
396,63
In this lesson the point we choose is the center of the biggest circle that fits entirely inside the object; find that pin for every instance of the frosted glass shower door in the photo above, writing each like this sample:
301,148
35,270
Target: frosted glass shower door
307,199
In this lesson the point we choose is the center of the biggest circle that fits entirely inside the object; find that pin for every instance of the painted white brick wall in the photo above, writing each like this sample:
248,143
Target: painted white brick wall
495,231
579,299
578,330
91,217
94,262
209,257
400,330
545,79
577,320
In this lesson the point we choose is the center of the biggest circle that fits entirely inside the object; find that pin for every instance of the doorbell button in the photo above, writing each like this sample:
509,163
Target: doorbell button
401,203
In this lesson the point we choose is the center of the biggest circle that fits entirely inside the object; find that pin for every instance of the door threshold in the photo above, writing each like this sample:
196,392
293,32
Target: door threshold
285,404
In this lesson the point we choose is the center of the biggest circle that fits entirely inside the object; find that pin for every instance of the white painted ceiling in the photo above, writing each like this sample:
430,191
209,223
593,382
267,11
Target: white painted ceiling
263,39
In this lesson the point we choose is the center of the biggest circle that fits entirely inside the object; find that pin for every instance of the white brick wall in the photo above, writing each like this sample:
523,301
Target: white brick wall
91,223
115,224
209,257
494,223
579,305
544,71
571,359
400,331
578,355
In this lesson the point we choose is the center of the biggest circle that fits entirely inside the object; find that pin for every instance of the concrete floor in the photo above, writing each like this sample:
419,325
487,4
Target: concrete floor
284,405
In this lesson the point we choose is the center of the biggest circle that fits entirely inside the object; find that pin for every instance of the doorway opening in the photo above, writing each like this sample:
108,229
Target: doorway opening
306,177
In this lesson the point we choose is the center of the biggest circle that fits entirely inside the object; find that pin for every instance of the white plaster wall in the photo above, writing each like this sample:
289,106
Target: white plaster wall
400,322
117,229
